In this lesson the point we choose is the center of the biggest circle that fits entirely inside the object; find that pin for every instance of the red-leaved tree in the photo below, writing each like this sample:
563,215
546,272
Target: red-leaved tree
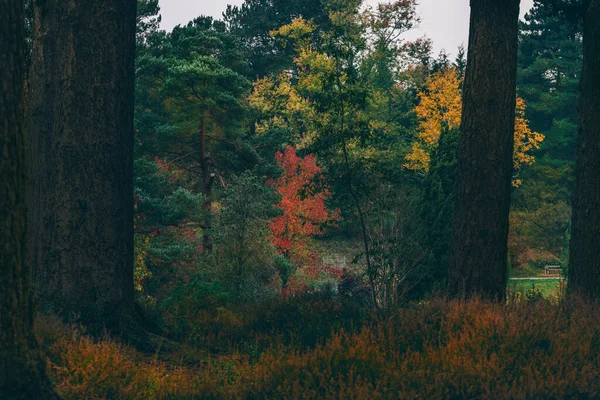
302,202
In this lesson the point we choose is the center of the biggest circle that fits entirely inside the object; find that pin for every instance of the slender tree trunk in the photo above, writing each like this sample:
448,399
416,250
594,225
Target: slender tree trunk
484,169
584,257
81,149
207,182
22,374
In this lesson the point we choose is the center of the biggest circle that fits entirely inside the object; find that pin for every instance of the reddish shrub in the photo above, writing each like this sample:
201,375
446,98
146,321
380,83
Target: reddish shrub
433,350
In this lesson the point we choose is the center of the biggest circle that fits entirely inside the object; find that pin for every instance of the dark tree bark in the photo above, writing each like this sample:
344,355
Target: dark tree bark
81,149
22,374
484,169
206,189
584,254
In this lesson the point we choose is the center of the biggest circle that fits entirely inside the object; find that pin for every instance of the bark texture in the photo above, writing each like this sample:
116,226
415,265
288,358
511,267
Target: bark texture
81,149
206,189
22,374
483,181
584,257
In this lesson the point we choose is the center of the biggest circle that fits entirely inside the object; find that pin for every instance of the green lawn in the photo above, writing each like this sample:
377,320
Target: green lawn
549,289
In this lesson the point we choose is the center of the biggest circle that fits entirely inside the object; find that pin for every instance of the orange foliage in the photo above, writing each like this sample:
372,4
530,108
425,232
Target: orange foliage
440,104
444,350
434,350
302,202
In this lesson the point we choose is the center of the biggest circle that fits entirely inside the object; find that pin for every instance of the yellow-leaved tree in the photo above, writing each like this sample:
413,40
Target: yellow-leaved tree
284,104
440,105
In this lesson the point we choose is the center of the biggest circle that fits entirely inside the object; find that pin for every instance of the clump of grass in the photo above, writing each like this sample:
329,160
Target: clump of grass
437,349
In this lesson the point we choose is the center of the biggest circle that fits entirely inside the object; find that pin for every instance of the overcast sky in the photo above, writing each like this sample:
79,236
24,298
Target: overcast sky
446,22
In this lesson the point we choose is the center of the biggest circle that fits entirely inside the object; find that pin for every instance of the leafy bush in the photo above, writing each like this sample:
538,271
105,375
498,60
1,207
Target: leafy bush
243,258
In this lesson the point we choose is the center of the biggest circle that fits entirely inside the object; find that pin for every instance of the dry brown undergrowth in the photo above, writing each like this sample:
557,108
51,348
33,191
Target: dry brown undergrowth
437,349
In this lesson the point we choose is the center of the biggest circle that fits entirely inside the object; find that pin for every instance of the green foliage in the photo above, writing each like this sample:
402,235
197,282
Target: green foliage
550,57
339,80
399,257
541,213
191,303
284,267
192,288
147,20
343,105
174,208
188,80
203,87
192,74
253,21
438,206
244,256
549,68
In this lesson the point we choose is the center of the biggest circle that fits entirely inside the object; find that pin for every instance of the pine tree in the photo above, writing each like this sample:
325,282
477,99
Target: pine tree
584,256
191,89
253,21
22,374
549,69
549,63
484,168
81,151
437,205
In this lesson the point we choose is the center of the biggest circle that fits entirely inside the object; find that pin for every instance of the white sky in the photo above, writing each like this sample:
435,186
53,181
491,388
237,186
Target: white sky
446,22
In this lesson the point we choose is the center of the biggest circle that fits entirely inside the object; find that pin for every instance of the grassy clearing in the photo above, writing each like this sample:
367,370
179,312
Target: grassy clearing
551,289
527,271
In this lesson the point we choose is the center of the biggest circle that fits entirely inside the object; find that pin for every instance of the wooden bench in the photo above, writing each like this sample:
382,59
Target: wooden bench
552,270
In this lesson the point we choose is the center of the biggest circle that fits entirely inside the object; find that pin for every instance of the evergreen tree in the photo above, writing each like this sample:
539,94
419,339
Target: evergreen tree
550,50
253,22
192,89
22,374
81,150
460,62
549,68
484,168
584,255
438,205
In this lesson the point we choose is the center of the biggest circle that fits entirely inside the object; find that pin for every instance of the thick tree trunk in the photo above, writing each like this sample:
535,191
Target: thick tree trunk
484,169
81,149
207,182
584,257
22,374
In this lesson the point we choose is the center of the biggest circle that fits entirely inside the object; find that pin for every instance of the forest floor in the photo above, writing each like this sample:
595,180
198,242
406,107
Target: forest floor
430,350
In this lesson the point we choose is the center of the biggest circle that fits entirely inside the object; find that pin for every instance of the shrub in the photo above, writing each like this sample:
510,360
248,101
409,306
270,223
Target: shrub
431,350
243,254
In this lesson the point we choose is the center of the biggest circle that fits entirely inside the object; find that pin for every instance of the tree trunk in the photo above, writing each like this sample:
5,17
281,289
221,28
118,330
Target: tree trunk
22,374
207,182
484,169
81,149
584,257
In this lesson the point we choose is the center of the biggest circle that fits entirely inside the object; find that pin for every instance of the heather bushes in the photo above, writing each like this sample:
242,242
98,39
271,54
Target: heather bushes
437,349
208,319
447,350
